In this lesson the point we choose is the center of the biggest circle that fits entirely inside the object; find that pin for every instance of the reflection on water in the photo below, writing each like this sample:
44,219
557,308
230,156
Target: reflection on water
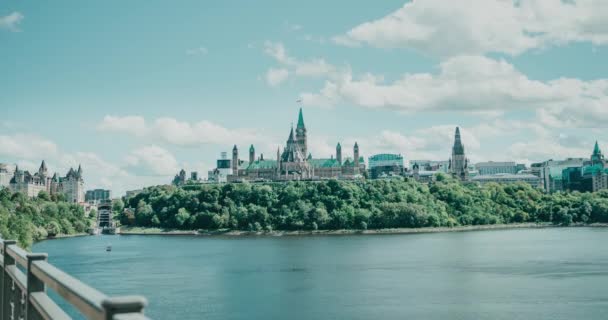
509,274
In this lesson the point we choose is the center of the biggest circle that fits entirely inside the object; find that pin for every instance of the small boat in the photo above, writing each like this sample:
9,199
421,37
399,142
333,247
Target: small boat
109,248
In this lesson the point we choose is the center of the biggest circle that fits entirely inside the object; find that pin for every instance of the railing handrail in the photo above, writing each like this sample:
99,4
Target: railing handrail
24,294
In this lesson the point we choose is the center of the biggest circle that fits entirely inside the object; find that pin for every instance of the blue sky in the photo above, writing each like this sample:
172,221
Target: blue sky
134,90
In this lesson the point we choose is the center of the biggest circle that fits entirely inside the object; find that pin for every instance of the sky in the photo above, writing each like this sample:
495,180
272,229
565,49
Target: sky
136,90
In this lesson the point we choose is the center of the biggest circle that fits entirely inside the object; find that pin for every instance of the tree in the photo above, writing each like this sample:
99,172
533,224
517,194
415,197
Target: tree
53,228
118,206
43,195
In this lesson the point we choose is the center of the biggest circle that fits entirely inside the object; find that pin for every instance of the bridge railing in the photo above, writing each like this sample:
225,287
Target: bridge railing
26,276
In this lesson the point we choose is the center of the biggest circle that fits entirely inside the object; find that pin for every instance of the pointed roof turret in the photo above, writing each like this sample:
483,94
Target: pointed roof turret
235,148
251,149
309,156
597,156
339,146
291,139
458,148
55,177
301,119
596,149
42,167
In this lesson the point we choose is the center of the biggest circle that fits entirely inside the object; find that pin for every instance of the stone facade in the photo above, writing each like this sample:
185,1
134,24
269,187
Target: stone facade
458,162
292,163
72,185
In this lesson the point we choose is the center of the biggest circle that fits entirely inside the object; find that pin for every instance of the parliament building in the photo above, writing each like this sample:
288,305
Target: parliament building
294,162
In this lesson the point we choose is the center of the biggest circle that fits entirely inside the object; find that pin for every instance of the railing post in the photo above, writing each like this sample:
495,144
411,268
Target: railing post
33,285
7,283
118,305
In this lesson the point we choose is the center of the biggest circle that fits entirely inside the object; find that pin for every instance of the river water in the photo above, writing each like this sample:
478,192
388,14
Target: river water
509,274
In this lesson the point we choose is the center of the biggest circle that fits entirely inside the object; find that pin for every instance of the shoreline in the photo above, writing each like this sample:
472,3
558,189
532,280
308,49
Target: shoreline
281,233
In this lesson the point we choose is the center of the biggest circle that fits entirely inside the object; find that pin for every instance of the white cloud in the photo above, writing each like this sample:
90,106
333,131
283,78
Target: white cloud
26,146
316,67
135,125
11,22
475,84
153,160
275,77
175,132
197,51
472,27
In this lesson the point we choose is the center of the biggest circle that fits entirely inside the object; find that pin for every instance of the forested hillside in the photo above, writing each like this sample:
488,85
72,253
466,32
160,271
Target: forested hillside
27,220
373,204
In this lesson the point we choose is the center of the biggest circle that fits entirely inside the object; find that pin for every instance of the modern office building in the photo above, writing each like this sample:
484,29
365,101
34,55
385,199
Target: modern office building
222,169
385,164
97,195
591,177
550,172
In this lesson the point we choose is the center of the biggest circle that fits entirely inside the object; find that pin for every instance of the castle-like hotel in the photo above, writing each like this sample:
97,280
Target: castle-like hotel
294,162
72,185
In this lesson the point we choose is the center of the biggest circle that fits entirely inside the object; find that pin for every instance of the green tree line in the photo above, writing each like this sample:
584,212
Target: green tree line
28,220
377,204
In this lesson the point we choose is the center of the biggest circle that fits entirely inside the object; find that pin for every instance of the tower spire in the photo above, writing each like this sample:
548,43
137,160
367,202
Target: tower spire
300,120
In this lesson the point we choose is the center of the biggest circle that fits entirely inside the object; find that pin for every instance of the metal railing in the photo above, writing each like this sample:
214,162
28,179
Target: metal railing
26,276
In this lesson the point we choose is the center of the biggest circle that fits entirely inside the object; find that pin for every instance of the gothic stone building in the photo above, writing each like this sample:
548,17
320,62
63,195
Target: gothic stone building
458,162
293,163
72,185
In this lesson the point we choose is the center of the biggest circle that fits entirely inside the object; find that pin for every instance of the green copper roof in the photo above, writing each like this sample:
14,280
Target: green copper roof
251,148
300,119
596,149
594,169
262,164
324,163
349,161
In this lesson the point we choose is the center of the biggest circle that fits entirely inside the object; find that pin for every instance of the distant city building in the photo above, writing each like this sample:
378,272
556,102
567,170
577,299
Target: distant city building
292,163
458,161
421,175
491,167
133,193
591,177
6,174
385,164
429,165
180,178
508,178
72,185
550,172
97,195
222,170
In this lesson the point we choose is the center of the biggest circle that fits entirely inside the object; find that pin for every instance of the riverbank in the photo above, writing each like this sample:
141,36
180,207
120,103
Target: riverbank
61,236
279,233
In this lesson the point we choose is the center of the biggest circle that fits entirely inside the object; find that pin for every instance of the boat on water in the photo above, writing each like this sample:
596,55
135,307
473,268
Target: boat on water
109,248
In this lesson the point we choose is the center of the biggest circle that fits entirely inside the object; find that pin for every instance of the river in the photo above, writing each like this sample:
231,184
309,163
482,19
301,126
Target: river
508,274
